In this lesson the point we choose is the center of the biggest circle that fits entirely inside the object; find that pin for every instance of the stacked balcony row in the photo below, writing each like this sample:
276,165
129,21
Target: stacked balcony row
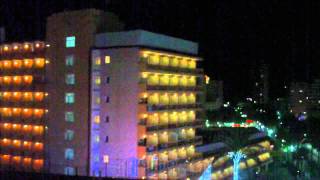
27,163
162,79
22,112
17,64
21,129
21,81
169,118
170,137
168,98
18,96
168,60
20,145
22,47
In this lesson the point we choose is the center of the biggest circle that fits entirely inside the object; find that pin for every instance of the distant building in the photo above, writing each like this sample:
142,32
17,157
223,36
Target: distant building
298,98
260,91
304,97
214,95
2,35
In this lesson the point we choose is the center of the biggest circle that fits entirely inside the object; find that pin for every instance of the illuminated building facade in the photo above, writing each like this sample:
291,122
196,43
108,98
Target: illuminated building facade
121,104
71,36
146,103
23,100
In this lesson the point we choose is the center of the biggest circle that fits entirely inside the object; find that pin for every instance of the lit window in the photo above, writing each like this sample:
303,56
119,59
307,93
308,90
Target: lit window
68,135
70,41
98,80
70,79
69,171
70,60
97,138
98,100
69,98
106,159
69,154
69,116
97,119
107,59
97,61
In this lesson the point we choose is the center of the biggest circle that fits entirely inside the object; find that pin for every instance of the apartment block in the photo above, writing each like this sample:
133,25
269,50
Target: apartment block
71,36
23,106
146,94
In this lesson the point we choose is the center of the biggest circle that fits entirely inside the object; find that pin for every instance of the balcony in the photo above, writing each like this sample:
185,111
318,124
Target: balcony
196,123
151,108
170,88
170,69
185,142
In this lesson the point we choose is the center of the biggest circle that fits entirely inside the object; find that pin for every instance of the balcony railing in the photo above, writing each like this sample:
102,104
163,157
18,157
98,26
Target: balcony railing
183,142
170,68
166,107
173,88
195,123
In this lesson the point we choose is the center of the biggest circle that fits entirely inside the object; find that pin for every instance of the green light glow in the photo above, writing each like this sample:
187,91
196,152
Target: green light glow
70,41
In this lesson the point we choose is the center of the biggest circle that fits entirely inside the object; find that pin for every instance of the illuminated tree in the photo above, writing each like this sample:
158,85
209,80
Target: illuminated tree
236,157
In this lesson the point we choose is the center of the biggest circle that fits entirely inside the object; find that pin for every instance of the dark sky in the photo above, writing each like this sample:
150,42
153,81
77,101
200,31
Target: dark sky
234,36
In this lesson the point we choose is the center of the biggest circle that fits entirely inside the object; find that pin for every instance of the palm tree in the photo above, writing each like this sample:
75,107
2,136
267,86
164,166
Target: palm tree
236,139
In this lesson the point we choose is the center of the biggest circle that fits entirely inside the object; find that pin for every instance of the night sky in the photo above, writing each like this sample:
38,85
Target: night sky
234,36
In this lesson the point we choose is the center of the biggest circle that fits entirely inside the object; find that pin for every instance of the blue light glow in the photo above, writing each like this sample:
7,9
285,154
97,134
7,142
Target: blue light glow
236,157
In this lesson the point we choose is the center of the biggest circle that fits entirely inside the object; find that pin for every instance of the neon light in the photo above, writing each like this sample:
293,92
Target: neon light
236,157
206,174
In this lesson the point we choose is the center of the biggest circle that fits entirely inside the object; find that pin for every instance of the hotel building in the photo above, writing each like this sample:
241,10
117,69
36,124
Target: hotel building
23,100
146,103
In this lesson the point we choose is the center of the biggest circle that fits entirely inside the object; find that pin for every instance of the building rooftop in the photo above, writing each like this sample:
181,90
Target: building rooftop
145,39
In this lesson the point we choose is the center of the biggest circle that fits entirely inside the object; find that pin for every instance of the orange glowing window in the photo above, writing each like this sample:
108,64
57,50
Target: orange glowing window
27,145
7,64
6,48
27,63
38,113
17,63
5,159
16,160
26,162
6,96
1,64
26,113
17,80
16,143
16,112
37,164
27,79
7,80
39,62
27,46
5,126
6,112
5,142
37,130
38,146
38,96
27,128
16,127
15,47
16,96
27,96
